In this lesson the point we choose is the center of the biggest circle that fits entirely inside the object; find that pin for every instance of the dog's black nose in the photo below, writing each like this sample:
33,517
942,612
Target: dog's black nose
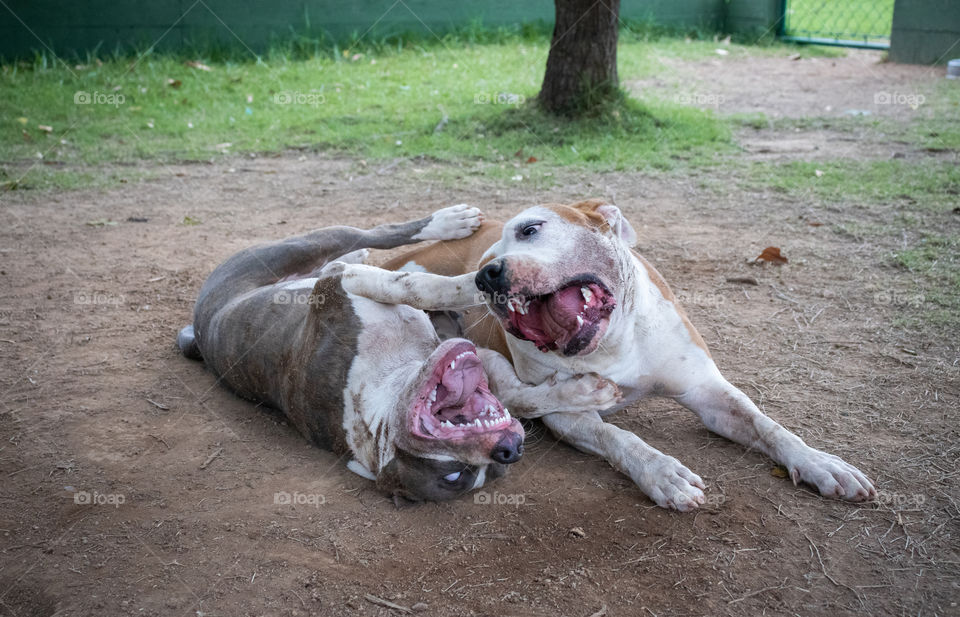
491,277
509,449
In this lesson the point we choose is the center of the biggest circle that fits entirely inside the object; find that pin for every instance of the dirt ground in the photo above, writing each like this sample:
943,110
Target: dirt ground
96,401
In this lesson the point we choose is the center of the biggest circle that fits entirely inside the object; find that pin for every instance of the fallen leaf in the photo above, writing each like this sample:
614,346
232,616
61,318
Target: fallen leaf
197,65
174,83
818,172
100,223
189,220
794,57
46,128
577,532
22,120
815,224
771,254
532,159
518,153
779,472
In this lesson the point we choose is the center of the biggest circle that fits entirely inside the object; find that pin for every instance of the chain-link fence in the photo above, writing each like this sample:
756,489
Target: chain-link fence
851,23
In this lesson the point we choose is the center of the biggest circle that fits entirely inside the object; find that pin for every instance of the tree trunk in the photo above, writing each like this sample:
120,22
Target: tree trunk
582,64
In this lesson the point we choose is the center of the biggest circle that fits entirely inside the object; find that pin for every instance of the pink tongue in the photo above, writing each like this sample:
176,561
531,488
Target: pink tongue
462,381
566,304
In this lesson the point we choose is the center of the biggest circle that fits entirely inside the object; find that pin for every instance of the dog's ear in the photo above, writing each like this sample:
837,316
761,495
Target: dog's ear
618,223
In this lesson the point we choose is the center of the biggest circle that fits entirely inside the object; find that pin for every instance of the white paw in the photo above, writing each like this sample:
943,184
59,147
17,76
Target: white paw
589,392
452,223
832,476
355,257
333,268
669,484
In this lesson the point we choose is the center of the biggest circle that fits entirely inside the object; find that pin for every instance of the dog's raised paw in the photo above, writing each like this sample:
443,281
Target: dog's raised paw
452,223
589,392
833,477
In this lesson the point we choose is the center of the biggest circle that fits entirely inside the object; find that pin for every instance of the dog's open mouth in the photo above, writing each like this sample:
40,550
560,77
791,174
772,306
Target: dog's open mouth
455,402
571,319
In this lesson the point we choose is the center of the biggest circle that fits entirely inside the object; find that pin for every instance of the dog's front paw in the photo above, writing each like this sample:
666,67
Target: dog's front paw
589,392
452,223
669,484
832,476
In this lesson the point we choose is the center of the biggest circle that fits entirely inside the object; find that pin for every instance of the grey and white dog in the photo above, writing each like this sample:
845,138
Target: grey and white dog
360,378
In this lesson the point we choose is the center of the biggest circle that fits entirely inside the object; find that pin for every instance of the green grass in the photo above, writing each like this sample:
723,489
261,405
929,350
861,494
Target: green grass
844,19
936,258
932,186
378,102
375,100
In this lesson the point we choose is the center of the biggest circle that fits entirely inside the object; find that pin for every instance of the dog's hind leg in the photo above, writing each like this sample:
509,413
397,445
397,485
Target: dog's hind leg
302,256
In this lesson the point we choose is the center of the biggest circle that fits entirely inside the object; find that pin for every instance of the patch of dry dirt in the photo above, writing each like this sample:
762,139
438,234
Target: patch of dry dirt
860,84
95,397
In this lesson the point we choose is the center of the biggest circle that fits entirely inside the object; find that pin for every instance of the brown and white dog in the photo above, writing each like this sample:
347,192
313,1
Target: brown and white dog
564,295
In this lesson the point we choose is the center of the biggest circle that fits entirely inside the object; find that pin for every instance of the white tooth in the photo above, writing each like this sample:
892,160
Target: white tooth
587,294
510,305
453,365
477,423
433,395
506,413
585,307
579,321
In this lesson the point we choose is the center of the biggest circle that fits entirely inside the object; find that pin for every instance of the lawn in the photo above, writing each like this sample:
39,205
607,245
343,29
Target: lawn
449,99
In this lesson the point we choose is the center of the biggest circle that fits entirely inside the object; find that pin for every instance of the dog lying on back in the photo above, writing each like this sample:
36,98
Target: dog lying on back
415,414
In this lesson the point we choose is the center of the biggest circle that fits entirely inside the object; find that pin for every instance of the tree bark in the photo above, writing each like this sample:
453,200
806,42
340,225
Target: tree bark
582,63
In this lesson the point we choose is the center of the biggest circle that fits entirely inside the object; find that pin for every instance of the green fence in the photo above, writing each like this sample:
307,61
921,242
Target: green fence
849,23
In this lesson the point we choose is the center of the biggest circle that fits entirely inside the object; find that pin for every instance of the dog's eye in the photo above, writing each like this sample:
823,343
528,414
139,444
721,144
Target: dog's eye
452,477
530,230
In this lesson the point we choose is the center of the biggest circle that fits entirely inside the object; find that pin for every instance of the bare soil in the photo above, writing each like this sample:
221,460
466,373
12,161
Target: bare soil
95,399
